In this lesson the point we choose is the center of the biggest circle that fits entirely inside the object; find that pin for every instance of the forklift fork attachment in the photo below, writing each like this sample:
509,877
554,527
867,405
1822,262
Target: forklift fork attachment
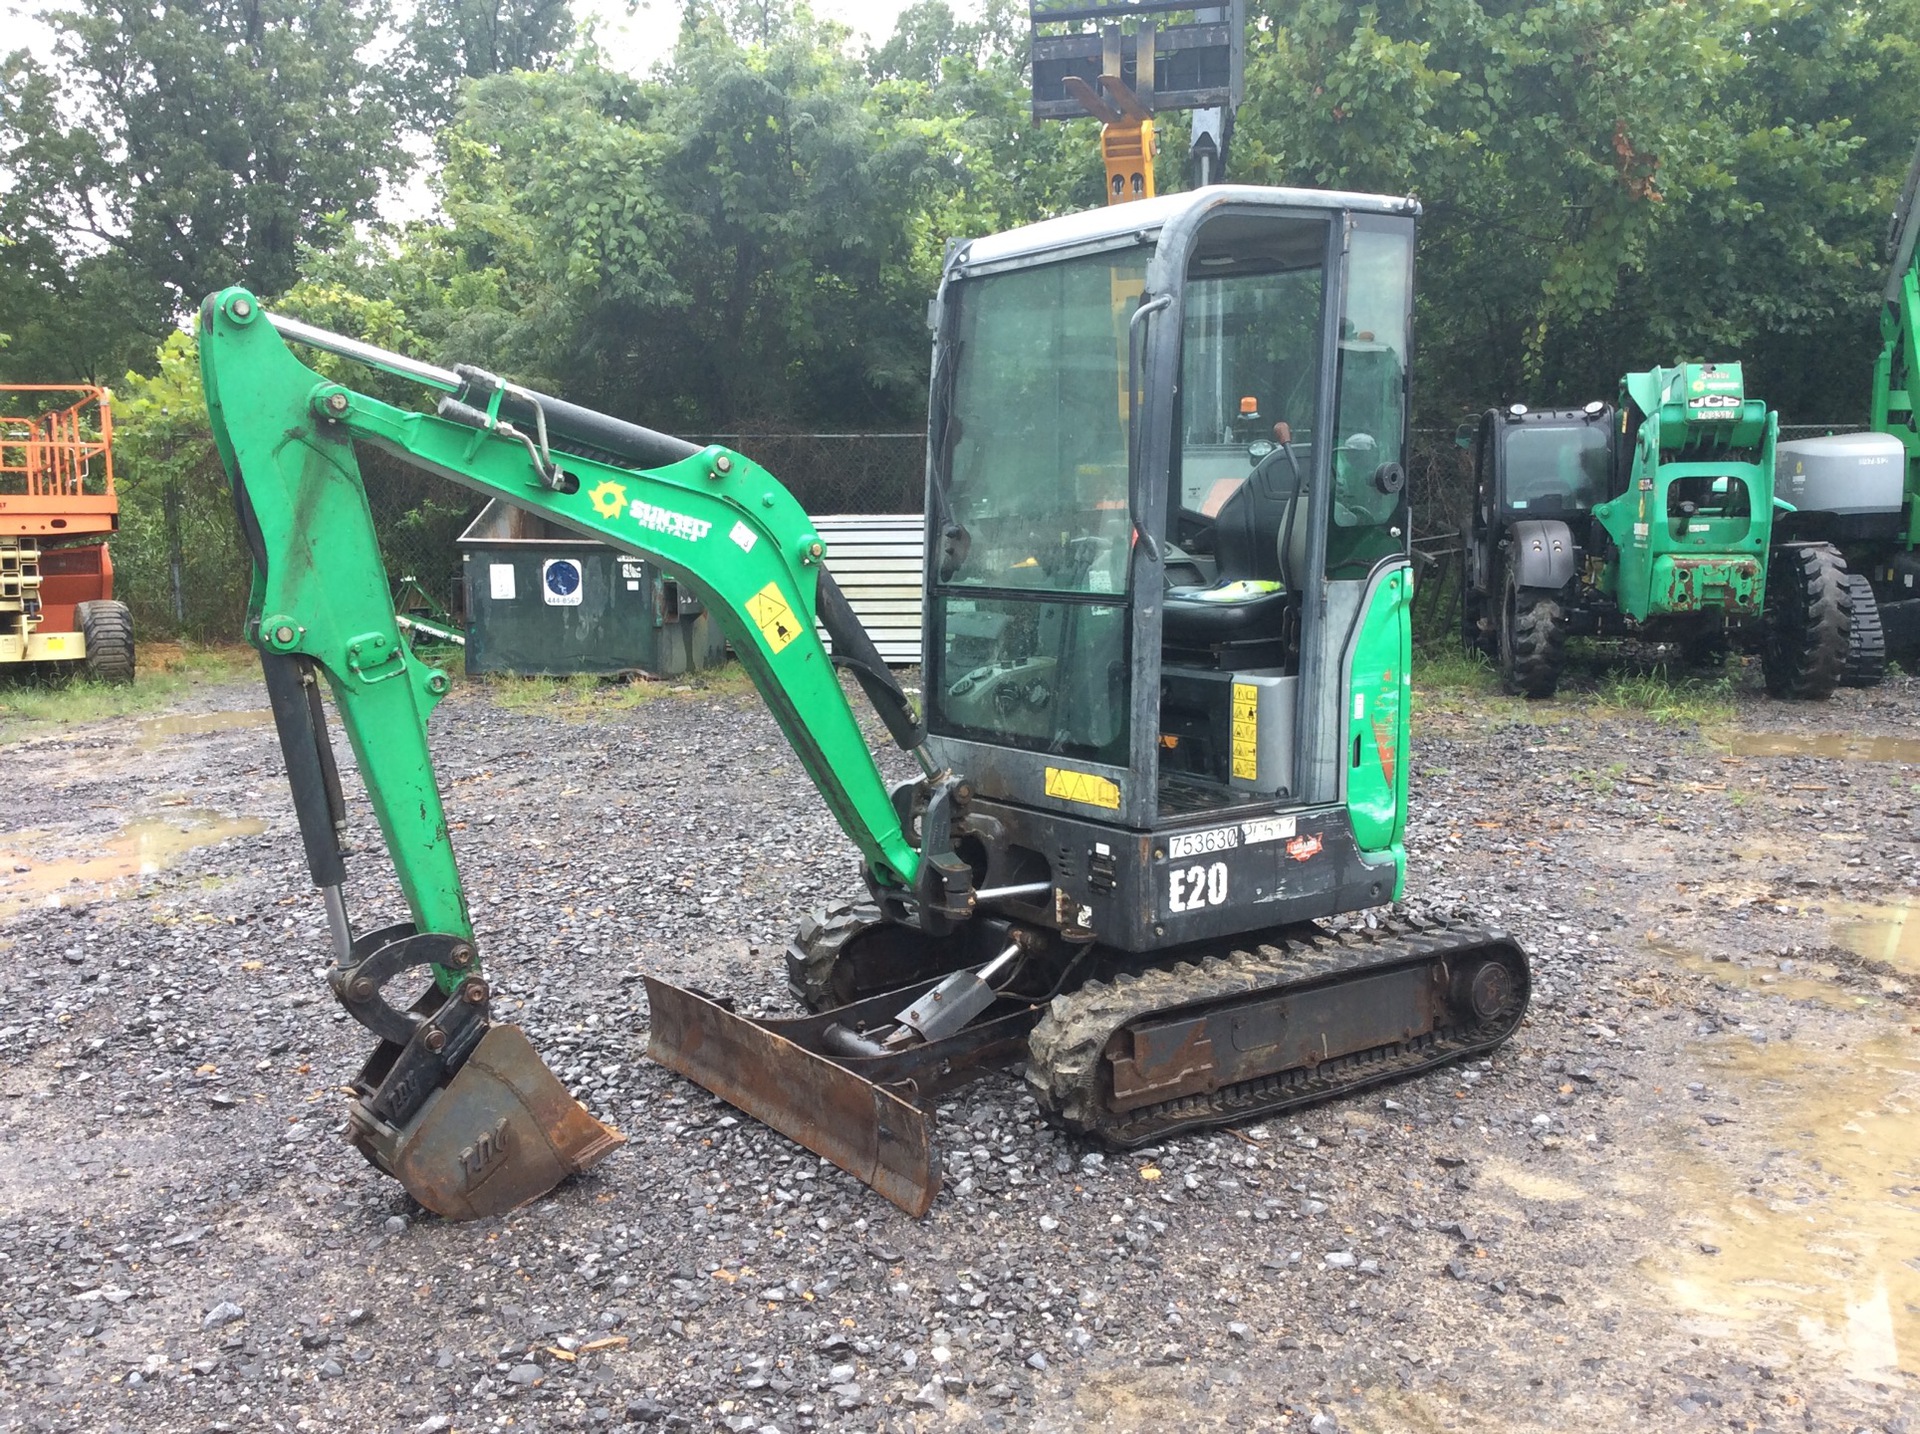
503,1131
871,1132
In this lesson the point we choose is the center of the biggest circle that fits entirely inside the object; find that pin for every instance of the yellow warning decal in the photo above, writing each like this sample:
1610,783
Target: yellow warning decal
773,617
1083,787
1246,732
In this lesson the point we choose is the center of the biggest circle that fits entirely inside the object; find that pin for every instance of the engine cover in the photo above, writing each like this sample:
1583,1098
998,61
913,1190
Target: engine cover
1844,474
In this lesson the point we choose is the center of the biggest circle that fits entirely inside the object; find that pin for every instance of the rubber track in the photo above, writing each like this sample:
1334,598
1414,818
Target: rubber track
1809,621
817,946
1067,1048
1867,640
1537,643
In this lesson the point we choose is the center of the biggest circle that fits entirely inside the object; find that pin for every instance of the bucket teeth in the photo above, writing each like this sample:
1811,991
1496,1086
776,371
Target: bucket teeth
501,1133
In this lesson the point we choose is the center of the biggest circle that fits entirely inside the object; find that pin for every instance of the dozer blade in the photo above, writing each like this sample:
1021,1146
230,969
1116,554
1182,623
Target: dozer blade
502,1132
866,1129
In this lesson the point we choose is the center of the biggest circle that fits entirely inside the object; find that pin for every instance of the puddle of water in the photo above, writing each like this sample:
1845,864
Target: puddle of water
140,849
1825,1247
158,731
1888,932
1823,744
1793,979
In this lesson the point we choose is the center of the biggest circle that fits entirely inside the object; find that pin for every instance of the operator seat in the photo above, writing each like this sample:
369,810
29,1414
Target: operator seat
1259,545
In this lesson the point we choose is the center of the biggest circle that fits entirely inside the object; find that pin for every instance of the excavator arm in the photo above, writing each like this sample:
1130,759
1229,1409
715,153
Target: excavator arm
459,1108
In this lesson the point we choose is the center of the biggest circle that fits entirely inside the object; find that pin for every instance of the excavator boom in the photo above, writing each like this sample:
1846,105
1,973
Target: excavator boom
457,1107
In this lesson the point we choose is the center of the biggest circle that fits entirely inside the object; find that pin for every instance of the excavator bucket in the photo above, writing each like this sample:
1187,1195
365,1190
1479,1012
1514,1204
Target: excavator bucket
503,1131
875,1134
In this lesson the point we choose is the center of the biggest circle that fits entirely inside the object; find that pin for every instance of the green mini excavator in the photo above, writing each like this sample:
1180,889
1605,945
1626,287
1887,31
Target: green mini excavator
1166,705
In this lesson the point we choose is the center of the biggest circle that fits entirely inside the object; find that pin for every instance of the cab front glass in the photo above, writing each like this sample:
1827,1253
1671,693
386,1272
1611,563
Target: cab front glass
1033,528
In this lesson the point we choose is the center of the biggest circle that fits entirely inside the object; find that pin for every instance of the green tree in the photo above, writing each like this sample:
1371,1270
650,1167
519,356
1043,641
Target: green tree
175,506
449,42
1607,183
962,85
166,149
737,240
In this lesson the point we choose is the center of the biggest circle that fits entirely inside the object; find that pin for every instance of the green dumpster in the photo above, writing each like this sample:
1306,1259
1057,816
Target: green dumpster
544,602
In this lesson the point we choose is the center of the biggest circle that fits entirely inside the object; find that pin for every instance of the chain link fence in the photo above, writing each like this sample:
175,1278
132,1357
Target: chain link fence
182,570
419,520
841,472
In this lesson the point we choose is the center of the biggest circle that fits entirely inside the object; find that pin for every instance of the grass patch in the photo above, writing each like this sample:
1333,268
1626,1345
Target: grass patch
580,698
1698,701
1597,679
165,672
1601,781
1449,681
1450,667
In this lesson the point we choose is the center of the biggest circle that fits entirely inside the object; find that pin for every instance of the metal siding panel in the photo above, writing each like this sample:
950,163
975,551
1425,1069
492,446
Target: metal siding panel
879,561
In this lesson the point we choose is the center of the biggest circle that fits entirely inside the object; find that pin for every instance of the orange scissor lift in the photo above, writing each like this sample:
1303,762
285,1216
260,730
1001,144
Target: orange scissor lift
57,505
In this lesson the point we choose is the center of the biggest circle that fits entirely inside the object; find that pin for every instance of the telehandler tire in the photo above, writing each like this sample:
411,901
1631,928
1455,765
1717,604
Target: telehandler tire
1533,639
107,628
1867,640
1808,622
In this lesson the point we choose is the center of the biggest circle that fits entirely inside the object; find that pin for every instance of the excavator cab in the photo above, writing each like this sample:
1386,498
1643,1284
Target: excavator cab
1167,515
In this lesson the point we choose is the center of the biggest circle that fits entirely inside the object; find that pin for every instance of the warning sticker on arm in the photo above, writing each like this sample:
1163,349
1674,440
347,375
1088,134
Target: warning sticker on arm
770,613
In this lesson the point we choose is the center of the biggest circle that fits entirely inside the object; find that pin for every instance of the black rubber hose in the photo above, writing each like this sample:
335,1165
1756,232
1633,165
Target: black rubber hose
854,650
844,1041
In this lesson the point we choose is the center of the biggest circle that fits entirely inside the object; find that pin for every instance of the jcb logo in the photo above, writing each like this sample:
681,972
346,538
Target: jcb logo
485,1153
1716,400
406,1090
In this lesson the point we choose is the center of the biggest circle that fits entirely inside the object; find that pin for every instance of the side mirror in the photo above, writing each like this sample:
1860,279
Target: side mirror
1463,435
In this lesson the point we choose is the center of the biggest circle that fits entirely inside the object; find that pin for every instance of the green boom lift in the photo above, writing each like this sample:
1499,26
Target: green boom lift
1166,704
1861,491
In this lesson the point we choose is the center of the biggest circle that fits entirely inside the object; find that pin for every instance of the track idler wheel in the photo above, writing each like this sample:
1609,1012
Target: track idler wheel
1484,988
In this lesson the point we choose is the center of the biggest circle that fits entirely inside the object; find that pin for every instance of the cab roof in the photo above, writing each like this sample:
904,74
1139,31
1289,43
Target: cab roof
1145,218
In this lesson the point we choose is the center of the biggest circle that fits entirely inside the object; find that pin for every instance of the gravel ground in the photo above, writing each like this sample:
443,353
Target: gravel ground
1686,1195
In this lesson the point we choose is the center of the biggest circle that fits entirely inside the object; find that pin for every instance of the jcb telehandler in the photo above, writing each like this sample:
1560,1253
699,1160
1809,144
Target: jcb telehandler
1166,722
1654,517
